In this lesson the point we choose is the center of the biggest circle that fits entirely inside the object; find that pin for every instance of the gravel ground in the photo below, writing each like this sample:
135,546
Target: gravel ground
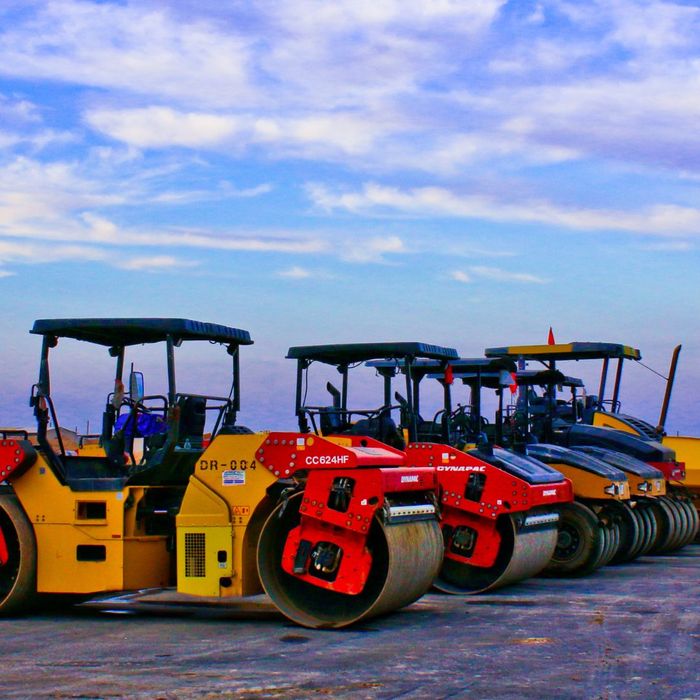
629,631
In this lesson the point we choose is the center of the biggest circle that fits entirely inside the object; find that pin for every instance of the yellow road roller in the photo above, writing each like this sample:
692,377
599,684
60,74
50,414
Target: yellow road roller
334,531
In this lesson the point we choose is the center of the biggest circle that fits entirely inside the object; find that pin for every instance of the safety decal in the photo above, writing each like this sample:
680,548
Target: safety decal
233,477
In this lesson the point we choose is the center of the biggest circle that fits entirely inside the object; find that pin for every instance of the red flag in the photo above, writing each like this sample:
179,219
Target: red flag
550,337
514,385
449,375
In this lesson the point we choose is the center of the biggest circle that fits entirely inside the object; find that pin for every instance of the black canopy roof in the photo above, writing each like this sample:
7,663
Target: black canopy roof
120,332
482,364
348,353
460,366
545,377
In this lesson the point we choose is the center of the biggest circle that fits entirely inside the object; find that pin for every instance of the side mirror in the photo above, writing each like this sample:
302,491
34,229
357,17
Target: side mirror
136,386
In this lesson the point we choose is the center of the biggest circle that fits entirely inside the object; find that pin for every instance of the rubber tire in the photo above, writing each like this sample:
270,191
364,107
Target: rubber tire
18,576
631,534
681,525
687,524
694,519
689,517
579,519
665,523
613,532
618,538
651,531
638,544
643,530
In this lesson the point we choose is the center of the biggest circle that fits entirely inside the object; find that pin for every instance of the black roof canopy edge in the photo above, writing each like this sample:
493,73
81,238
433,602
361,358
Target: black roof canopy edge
348,353
460,366
137,331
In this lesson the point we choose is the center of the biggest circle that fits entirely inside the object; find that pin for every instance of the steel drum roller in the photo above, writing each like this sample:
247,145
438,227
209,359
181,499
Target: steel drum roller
523,553
405,559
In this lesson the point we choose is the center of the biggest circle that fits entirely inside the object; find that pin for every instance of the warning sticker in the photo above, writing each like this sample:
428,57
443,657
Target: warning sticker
233,477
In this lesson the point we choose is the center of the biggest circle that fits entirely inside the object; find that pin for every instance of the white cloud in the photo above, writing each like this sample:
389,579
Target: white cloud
61,204
18,110
295,273
500,275
58,202
32,252
371,250
494,273
669,246
460,276
656,219
127,48
381,86
224,191
312,135
155,263
154,127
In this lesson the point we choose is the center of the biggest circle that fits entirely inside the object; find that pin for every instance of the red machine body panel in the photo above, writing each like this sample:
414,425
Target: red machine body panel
672,471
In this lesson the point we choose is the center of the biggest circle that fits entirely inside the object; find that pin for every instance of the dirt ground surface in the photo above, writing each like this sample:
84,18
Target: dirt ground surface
629,631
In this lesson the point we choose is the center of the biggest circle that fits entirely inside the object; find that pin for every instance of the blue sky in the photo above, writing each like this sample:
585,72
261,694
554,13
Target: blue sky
466,173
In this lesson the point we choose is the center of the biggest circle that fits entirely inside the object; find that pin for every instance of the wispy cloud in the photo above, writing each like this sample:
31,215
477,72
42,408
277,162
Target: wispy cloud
476,272
155,127
295,273
363,250
669,246
130,48
373,199
460,276
381,86
156,263
59,202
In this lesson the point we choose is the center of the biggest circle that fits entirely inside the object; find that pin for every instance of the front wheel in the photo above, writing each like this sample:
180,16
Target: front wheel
581,542
18,561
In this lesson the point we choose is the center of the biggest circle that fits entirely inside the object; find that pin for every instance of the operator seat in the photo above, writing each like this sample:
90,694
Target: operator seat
193,416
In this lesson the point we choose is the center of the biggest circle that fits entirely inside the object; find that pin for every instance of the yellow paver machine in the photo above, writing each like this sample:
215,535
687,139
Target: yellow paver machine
333,530
595,423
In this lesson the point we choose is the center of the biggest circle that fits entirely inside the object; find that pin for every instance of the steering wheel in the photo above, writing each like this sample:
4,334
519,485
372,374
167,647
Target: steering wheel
135,405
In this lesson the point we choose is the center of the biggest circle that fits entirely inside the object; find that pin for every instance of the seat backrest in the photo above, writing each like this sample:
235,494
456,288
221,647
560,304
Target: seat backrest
193,417
330,420
383,429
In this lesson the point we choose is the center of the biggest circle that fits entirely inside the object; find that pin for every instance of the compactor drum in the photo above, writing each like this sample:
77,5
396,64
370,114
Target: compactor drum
333,531
498,510
500,513
595,421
